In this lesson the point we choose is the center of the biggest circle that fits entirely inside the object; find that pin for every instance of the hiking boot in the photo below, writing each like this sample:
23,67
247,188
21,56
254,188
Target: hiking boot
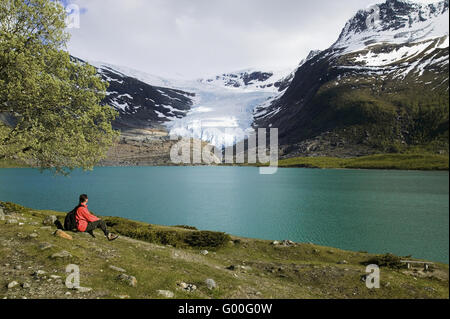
112,236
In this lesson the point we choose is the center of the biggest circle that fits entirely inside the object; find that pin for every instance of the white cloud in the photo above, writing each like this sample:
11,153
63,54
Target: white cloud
198,37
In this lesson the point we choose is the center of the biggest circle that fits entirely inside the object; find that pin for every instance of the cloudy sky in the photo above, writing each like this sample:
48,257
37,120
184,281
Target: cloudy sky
194,38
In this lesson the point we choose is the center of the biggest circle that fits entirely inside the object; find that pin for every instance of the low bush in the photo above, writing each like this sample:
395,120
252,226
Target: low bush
207,239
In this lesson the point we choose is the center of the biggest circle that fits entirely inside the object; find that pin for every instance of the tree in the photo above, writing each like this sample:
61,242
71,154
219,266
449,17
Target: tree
52,100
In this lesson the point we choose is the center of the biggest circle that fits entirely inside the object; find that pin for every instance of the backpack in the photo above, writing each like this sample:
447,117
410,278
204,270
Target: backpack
70,223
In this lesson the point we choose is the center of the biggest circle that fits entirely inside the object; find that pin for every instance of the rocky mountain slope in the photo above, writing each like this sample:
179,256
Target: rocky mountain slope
150,261
200,108
382,87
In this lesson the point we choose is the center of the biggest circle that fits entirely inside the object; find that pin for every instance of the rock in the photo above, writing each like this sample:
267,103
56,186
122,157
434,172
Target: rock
129,280
39,273
12,221
18,267
343,262
187,287
204,252
55,277
60,233
83,289
210,283
287,243
68,293
32,236
275,243
12,284
232,267
2,214
26,285
166,293
49,220
183,285
61,254
123,296
116,268
45,246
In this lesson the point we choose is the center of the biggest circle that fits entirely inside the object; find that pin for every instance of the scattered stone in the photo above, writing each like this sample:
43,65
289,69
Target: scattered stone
287,243
18,267
55,277
45,246
204,252
12,284
68,293
32,236
275,243
210,283
166,293
49,220
61,254
26,285
232,267
83,289
123,297
39,273
116,268
129,280
343,262
12,221
60,233
187,287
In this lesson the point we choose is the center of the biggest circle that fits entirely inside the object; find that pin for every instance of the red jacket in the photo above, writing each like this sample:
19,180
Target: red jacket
83,217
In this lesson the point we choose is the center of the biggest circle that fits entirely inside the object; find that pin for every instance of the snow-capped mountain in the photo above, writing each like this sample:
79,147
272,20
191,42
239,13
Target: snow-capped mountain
215,110
380,85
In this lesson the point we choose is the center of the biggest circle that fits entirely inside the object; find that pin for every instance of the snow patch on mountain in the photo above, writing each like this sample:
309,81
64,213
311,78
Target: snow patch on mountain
394,22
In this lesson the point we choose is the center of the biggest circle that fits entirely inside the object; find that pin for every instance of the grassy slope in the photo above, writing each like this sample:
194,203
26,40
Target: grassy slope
303,271
382,161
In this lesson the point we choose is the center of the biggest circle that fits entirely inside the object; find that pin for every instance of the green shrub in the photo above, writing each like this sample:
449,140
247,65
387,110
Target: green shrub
206,239
387,260
186,227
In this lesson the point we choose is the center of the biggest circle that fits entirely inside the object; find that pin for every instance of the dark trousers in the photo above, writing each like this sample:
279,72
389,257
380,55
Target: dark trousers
98,224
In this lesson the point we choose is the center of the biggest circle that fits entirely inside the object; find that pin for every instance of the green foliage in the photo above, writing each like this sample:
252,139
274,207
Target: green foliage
175,236
207,239
408,161
387,260
54,101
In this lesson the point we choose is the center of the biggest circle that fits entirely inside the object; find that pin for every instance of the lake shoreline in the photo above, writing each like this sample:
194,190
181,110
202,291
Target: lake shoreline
393,162
240,267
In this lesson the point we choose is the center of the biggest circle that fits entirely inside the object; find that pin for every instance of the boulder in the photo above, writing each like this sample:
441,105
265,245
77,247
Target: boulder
12,284
83,289
165,293
45,246
62,234
116,268
210,283
61,254
129,280
204,252
49,220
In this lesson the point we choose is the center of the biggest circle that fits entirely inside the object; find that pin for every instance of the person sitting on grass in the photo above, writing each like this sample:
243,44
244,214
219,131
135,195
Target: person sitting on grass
86,222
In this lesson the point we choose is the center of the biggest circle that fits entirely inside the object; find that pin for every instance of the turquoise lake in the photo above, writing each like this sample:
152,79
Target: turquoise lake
402,212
